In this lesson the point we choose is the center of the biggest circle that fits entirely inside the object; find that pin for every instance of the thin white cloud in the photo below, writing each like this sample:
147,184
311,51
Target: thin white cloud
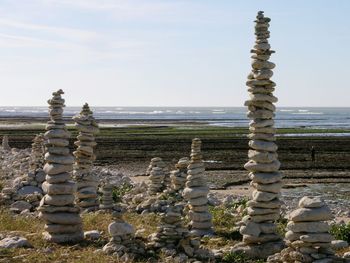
58,31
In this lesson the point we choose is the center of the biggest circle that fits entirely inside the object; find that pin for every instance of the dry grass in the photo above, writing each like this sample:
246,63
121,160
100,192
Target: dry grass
43,252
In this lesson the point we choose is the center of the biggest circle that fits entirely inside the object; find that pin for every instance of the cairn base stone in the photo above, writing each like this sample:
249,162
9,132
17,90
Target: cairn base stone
259,251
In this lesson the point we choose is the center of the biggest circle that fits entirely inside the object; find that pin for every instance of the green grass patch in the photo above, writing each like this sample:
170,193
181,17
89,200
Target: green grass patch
341,231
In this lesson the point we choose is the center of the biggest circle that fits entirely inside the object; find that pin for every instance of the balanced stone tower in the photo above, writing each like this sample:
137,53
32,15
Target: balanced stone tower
123,243
178,176
37,154
87,182
156,181
260,238
171,230
107,196
196,192
158,162
5,143
308,237
36,175
63,223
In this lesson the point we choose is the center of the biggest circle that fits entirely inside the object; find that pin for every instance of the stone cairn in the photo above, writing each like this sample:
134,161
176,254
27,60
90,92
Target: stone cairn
87,182
196,192
308,237
5,143
156,181
36,175
259,232
158,162
123,243
171,230
63,223
37,154
106,202
178,176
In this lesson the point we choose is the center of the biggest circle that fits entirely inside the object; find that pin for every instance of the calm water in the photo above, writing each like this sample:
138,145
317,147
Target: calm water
230,116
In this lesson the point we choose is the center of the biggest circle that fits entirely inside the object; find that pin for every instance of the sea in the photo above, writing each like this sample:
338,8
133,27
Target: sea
286,117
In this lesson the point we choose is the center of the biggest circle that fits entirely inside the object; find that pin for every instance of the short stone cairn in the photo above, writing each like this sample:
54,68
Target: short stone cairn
308,237
123,244
171,229
196,192
36,175
260,237
178,176
106,202
63,223
156,181
87,182
5,143
37,154
158,162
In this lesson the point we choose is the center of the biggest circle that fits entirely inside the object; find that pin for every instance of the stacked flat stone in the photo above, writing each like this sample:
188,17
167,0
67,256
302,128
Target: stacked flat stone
122,243
87,182
5,143
106,202
171,230
308,237
63,223
37,154
178,176
196,192
156,181
264,208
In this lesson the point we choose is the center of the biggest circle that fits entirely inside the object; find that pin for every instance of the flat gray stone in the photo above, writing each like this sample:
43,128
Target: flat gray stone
27,190
14,242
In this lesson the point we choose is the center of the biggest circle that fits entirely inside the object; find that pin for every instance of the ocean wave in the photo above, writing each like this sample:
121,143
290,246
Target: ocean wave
308,113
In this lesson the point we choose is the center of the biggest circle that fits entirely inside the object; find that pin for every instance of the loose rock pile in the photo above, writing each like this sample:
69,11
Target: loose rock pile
178,176
259,231
63,223
87,182
156,181
123,243
5,143
106,202
196,192
308,237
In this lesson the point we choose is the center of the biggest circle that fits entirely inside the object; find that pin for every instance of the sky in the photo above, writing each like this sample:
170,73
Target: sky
170,52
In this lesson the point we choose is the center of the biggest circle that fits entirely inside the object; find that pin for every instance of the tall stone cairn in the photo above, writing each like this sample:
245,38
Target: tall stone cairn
87,182
196,192
178,176
37,154
5,143
264,208
63,223
308,237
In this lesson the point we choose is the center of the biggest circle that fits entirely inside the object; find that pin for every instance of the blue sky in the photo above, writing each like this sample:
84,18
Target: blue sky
170,52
